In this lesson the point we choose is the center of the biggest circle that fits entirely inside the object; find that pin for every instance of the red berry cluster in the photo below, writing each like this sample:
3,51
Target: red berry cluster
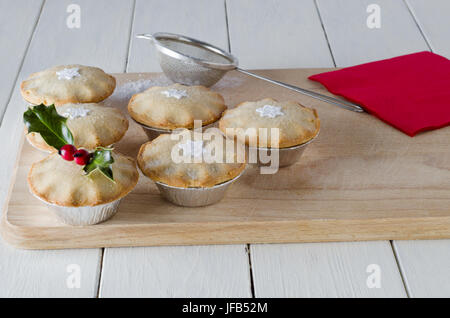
69,153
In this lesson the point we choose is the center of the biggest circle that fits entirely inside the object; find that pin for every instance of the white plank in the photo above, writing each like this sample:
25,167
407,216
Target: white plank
201,19
295,28
432,18
196,271
48,273
277,34
425,266
324,270
398,35
102,40
17,22
180,271
352,42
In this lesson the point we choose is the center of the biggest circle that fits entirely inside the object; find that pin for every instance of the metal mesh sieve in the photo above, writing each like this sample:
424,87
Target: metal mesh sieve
192,62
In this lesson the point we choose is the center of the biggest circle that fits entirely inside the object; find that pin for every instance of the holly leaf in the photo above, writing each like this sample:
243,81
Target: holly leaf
101,160
49,124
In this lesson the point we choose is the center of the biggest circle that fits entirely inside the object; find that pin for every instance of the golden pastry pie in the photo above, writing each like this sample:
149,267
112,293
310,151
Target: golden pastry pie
68,84
296,124
176,106
179,160
91,125
64,183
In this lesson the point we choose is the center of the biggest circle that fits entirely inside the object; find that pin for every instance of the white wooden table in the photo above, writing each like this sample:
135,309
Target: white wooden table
263,34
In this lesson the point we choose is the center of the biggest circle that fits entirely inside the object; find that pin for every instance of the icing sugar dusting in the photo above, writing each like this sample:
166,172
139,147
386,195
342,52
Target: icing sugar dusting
78,112
229,81
269,111
175,93
193,149
123,93
68,73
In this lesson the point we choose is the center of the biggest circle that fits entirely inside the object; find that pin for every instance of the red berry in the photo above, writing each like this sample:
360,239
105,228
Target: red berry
81,157
67,152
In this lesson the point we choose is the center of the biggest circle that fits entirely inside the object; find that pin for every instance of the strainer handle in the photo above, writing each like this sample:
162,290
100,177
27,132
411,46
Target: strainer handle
146,36
324,98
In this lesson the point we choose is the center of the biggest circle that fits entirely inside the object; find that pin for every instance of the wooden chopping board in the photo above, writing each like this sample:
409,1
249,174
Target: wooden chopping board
360,180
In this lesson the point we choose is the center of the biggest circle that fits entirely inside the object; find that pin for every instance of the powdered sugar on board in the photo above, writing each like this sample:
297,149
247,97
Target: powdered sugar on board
228,81
125,91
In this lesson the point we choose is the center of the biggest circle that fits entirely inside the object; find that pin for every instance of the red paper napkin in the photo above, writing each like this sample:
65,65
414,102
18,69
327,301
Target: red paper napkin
409,92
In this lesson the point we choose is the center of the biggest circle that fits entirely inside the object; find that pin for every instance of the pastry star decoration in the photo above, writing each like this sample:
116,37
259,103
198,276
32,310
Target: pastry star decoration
73,113
269,111
68,73
174,93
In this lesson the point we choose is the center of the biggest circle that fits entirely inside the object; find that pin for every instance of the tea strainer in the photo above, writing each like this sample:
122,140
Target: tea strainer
192,62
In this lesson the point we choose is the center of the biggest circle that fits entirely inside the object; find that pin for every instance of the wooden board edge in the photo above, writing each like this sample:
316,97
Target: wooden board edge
224,233
218,233
232,232
5,226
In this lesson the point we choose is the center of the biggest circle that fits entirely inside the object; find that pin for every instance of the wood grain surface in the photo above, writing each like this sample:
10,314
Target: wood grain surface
406,27
432,19
176,271
299,269
325,269
19,18
352,42
50,42
361,180
334,269
141,271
